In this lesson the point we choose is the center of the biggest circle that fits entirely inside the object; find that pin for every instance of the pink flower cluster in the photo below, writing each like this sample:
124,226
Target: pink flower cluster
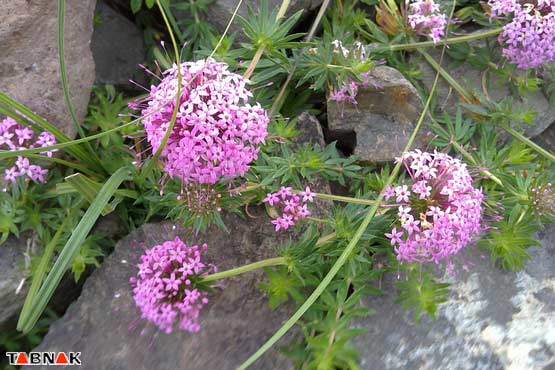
529,37
426,19
293,206
216,132
439,210
14,136
348,91
164,286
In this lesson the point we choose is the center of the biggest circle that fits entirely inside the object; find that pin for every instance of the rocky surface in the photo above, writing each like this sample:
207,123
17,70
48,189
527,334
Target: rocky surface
384,118
547,138
492,320
486,83
11,276
29,70
105,325
118,48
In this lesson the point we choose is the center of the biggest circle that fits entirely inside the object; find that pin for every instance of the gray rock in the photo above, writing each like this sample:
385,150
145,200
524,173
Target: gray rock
118,48
29,70
14,282
11,276
384,118
486,83
492,320
547,138
105,325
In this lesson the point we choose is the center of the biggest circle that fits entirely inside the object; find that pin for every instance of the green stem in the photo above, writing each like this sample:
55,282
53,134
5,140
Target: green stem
173,22
278,100
466,154
246,268
64,81
341,198
346,252
446,76
449,41
520,137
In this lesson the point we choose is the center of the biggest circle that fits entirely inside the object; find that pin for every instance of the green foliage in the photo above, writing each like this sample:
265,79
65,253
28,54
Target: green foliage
421,292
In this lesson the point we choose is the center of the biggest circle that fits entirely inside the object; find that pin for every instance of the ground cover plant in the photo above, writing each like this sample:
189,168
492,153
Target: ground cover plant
213,133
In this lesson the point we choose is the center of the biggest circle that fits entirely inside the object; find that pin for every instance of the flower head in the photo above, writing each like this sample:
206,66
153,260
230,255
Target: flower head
293,206
529,37
216,132
164,288
426,19
444,210
14,136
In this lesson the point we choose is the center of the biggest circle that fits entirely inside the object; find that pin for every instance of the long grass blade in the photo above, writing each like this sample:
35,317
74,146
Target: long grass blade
70,249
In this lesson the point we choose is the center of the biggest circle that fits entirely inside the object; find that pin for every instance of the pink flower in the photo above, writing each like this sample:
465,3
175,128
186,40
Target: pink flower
307,195
402,193
14,136
293,207
216,133
394,236
161,288
426,19
444,217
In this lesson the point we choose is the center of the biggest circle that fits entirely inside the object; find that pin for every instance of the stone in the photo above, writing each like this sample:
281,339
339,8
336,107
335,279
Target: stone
29,69
492,320
14,282
11,276
105,326
547,138
489,85
383,119
220,12
118,49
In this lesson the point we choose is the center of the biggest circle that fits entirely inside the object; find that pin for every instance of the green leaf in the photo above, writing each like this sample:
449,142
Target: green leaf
136,5
71,249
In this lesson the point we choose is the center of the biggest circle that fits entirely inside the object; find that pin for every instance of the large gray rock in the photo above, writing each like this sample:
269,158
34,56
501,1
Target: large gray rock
29,70
105,325
547,138
118,49
489,85
383,119
492,320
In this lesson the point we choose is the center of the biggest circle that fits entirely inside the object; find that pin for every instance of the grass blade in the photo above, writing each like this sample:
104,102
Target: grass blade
26,323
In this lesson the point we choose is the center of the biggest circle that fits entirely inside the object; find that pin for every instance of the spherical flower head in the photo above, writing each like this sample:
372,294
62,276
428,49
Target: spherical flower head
440,214
14,136
426,19
217,132
528,38
164,289
294,206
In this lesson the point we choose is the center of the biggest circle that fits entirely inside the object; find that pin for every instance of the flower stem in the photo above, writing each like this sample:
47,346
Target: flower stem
260,51
276,261
340,198
520,137
246,268
449,41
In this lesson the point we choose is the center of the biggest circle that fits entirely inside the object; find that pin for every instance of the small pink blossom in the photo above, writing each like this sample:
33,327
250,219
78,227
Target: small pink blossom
162,288
293,206
444,210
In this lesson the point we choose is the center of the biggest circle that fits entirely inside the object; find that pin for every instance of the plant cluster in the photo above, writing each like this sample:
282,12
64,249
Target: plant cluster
217,133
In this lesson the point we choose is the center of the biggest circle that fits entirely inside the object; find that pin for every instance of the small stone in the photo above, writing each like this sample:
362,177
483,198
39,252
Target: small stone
384,118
